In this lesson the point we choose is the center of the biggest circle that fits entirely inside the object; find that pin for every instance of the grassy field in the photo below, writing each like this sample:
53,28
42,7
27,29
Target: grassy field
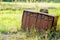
10,20
11,16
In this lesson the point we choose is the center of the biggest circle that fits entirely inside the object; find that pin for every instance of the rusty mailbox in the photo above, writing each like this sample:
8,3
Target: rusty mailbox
38,20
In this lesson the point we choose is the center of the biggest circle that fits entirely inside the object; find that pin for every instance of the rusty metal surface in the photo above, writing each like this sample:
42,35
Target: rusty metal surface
25,20
32,20
38,20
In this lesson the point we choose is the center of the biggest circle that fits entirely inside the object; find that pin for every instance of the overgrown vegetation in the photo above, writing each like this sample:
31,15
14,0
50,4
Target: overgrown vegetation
11,16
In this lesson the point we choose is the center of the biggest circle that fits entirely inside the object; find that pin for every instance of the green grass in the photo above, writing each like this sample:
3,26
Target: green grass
10,19
11,16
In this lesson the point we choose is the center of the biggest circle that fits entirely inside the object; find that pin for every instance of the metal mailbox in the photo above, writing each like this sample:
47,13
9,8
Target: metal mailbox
38,20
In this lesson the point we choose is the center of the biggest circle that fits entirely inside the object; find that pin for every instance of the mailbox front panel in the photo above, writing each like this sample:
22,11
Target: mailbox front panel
40,21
